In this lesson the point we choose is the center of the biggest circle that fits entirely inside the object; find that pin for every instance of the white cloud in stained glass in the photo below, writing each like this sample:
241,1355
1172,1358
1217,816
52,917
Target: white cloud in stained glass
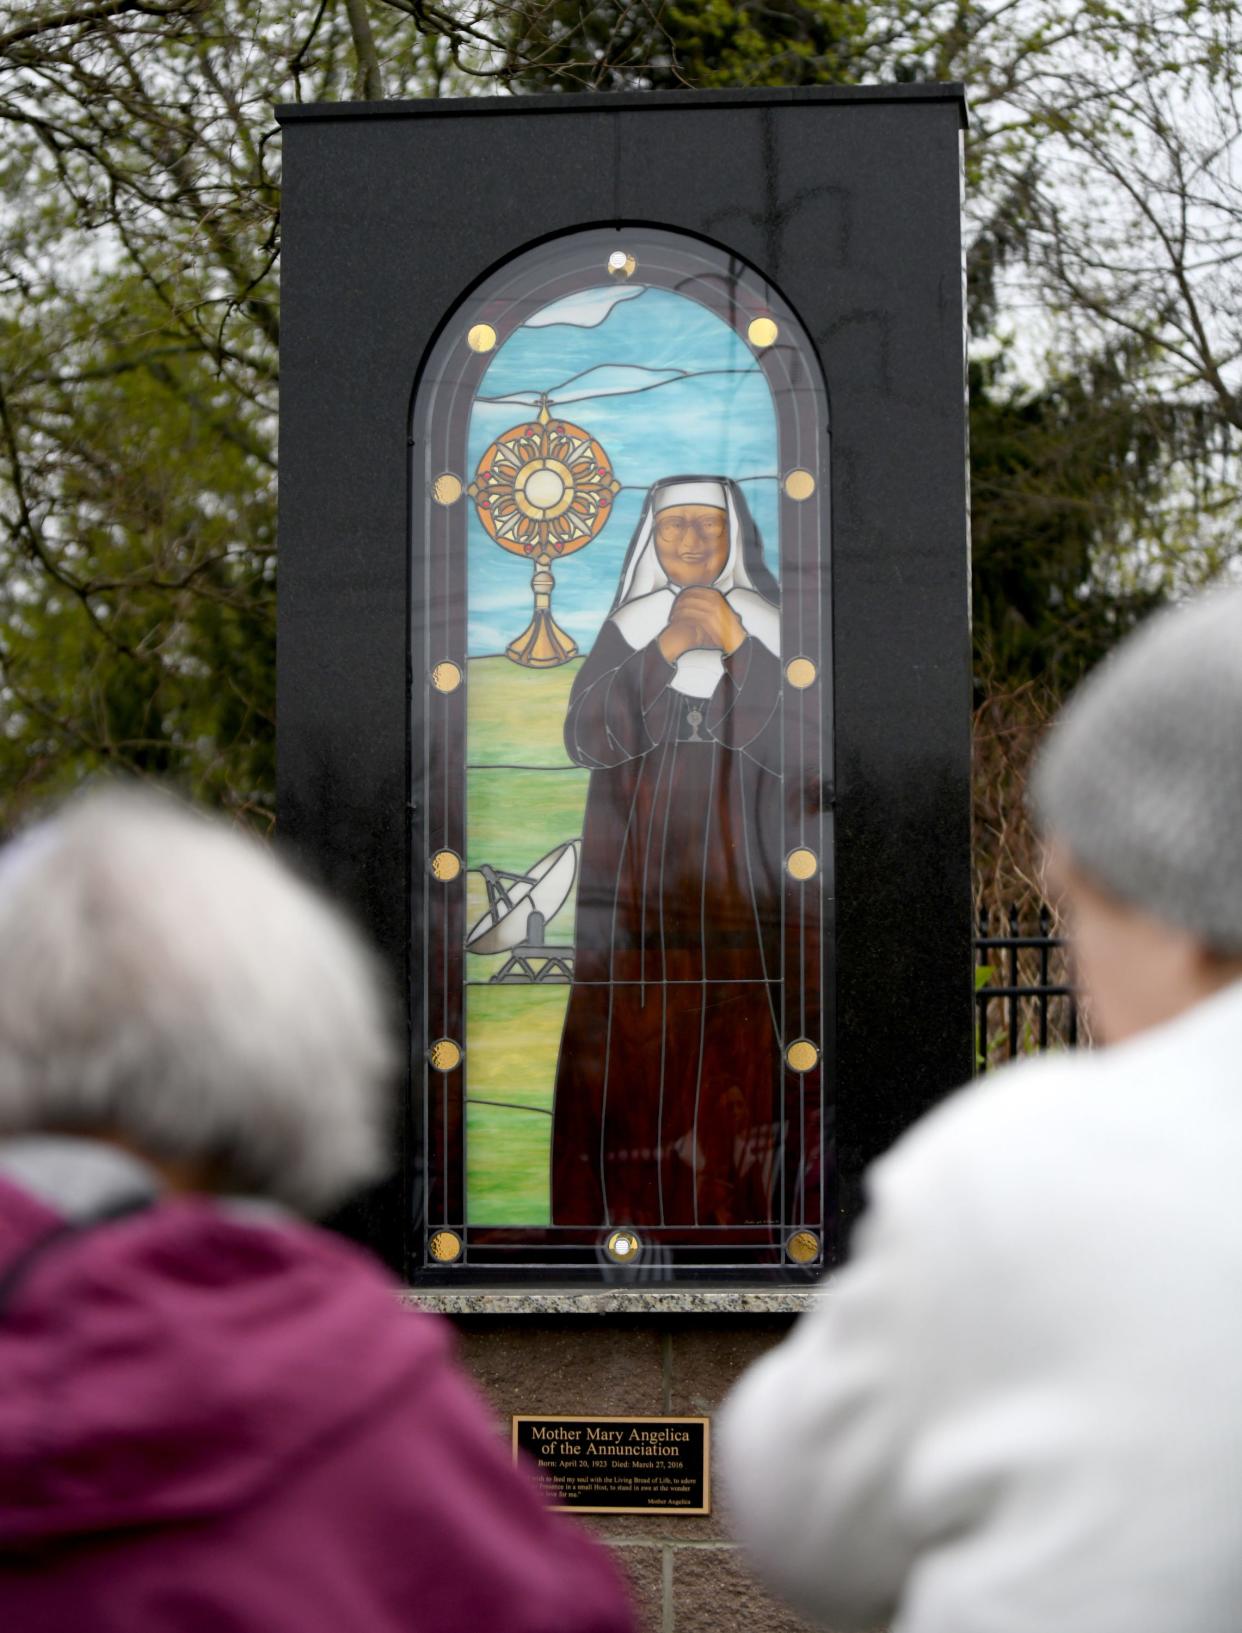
585,310
608,380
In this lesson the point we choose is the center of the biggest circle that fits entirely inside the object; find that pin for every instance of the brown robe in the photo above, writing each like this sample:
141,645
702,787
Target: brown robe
668,1080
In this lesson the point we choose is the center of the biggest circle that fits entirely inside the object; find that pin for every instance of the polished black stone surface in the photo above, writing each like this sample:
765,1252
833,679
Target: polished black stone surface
848,200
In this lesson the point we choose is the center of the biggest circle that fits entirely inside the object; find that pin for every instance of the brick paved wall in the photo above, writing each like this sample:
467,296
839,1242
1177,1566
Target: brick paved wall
686,1573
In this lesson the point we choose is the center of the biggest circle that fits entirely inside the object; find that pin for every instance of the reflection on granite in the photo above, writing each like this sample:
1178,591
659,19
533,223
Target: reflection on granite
615,1301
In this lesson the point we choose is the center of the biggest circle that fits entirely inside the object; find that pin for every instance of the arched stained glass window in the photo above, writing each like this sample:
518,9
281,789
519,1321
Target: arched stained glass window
622,741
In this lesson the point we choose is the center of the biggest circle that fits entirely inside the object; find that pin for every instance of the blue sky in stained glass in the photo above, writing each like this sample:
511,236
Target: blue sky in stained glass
715,419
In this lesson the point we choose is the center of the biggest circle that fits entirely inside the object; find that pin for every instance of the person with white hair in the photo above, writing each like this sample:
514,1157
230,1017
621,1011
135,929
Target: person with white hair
1018,1408
213,1415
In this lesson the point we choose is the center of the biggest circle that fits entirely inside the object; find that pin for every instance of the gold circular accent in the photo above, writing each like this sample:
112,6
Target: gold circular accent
802,864
445,1246
621,265
481,338
801,672
444,1054
446,676
623,1246
799,484
803,1246
447,489
802,1055
445,865
761,332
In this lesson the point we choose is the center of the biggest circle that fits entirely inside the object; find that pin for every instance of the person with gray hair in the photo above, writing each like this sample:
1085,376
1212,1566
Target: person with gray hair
162,981
213,1415
1018,1407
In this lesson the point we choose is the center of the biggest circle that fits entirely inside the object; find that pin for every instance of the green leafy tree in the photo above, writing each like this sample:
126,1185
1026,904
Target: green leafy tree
716,45
139,329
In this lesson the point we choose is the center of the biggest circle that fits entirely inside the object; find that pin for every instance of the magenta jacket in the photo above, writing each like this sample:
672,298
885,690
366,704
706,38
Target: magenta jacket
212,1422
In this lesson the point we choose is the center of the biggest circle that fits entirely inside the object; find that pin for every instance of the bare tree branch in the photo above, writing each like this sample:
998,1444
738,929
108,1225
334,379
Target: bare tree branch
93,16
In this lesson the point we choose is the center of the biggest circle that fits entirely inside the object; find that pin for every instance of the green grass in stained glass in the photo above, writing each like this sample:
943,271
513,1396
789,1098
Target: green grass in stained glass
514,1034
524,796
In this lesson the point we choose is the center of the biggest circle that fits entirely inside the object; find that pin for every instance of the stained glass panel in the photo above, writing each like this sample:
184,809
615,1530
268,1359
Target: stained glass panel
620,544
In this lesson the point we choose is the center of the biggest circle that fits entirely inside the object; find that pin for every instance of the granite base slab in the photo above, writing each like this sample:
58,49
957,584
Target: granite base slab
594,1301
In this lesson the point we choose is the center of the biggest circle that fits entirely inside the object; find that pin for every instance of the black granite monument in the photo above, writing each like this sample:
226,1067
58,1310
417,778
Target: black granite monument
624,670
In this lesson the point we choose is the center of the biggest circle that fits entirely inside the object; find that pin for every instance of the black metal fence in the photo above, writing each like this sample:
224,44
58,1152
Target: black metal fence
1024,1002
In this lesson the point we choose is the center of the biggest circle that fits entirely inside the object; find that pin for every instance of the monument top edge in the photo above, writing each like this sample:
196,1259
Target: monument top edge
952,91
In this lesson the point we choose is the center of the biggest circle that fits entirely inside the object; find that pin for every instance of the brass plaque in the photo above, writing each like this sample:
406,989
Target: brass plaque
620,1465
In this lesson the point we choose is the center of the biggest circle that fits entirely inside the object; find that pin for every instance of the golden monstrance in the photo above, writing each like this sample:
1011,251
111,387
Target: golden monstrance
543,489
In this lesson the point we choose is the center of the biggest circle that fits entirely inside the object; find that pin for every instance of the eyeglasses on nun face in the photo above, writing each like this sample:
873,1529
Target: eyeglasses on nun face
710,526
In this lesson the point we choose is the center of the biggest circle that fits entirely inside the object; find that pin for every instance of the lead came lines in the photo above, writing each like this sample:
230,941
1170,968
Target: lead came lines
642,912
663,981
698,1082
612,947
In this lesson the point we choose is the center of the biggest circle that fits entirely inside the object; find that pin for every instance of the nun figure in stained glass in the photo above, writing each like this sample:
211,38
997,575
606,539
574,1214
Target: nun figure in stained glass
668,1080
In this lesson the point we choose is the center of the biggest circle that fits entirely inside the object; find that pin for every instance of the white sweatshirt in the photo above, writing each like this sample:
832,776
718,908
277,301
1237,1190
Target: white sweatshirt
1019,1408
